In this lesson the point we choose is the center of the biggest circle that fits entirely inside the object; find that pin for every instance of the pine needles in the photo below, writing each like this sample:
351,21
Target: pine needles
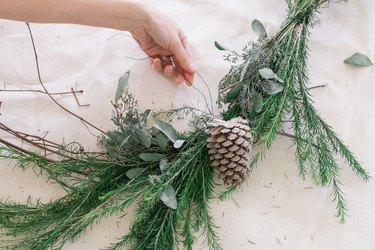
168,175
273,87
171,185
158,227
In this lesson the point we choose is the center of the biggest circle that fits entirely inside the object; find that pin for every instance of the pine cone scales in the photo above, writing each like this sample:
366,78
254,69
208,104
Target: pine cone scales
229,145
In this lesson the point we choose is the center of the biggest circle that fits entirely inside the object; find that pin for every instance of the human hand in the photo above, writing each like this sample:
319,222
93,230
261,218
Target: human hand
159,36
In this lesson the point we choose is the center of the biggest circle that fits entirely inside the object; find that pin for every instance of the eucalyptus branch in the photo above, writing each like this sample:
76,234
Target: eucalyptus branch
281,67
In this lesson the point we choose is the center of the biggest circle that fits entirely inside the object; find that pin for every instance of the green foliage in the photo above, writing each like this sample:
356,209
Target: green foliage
168,174
259,29
89,184
122,85
172,187
282,59
157,226
358,59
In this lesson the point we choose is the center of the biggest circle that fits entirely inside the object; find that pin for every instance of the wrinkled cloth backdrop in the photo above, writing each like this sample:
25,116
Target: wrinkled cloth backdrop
276,209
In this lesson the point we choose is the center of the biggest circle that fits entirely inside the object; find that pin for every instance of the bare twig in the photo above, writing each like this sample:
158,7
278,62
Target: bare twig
318,86
37,145
45,89
20,149
44,144
42,92
75,96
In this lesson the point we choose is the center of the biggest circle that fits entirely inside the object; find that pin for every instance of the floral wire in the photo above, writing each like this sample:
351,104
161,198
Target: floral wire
170,61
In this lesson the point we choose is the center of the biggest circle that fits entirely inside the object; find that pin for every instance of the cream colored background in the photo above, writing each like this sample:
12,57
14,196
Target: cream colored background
276,209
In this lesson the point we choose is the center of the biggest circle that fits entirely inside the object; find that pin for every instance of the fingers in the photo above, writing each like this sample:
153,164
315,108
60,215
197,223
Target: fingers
181,62
168,70
156,64
183,55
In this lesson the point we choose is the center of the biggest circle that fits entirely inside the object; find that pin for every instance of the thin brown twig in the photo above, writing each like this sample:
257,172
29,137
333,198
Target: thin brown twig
42,92
318,86
282,133
75,96
45,89
24,138
41,142
20,149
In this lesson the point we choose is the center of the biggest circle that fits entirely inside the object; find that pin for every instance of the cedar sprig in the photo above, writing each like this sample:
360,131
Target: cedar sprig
245,89
101,186
156,226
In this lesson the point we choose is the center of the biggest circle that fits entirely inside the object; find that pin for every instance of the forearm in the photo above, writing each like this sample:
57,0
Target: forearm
116,14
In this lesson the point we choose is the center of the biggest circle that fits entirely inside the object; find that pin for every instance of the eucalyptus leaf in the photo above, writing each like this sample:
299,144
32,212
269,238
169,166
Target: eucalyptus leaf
146,113
116,136
257,99
272,87
164,165
168,196
358,59
178,144
267,73
121,86
142,137
244,70
233,93
125,141
166,129
219,46
134,172
151,157
259,29
161,141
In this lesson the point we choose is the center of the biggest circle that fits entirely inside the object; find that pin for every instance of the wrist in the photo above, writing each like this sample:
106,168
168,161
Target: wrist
115,14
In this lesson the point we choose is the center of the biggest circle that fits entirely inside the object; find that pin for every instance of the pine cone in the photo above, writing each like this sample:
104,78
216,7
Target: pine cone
229,145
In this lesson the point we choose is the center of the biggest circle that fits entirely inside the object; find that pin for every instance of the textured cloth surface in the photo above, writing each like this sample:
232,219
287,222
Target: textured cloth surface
276,209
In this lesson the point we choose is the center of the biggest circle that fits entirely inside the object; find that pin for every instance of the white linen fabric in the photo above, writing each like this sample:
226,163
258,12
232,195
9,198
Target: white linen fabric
276,209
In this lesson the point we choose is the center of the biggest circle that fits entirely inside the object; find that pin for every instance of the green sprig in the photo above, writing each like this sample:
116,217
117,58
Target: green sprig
316,143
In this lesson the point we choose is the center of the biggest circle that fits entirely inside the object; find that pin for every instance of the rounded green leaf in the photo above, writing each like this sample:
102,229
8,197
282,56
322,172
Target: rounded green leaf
272,87
166,129
161,141
117,136
168,196
257,99
151,156
233,93
142,137
358,59
134,172
121,86
219,46
267,73
244,70
178,144
259,29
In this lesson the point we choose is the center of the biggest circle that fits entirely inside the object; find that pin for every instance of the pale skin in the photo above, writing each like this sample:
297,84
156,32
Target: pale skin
156,33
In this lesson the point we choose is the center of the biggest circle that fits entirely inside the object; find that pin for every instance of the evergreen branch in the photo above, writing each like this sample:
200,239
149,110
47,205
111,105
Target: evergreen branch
316,143
158,227
178,113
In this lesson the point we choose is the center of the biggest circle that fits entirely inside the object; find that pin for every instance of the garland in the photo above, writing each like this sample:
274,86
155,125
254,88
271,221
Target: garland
169,174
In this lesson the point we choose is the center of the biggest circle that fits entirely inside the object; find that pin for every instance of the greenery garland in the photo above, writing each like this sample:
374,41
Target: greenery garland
169,174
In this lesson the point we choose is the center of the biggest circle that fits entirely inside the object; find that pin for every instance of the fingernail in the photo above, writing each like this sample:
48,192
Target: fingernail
188,83
192,67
